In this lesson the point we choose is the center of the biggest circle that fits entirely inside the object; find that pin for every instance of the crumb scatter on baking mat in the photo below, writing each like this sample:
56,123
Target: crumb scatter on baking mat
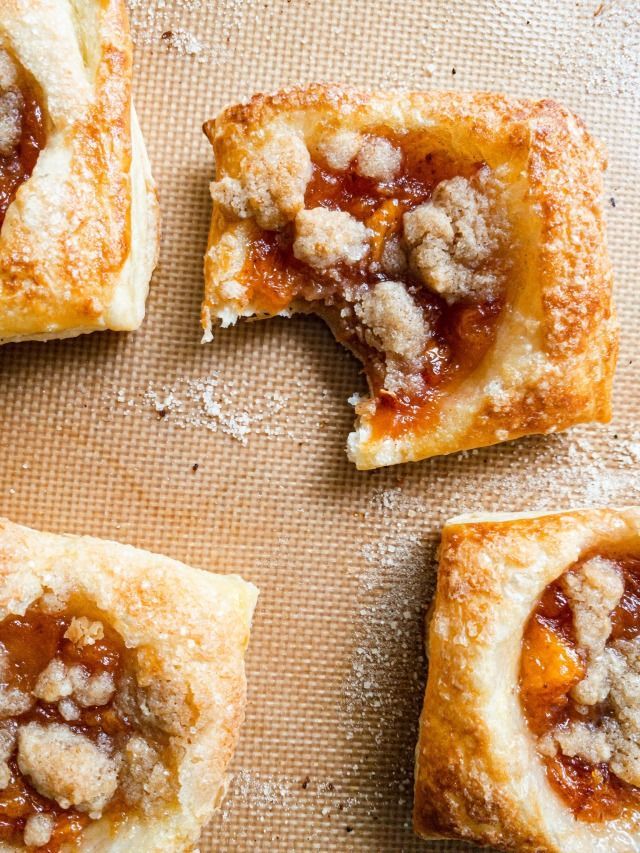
231,456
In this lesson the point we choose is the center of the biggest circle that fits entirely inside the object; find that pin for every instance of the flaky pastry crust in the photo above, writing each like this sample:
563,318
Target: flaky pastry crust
478,774
552,362
189,630
80,239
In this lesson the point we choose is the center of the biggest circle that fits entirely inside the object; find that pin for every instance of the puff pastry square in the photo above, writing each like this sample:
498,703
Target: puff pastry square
530,731
78,209
122,690
453,242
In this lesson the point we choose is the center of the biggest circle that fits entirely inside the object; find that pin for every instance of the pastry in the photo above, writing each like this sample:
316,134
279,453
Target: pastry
530,732
78,210
453,242
122,691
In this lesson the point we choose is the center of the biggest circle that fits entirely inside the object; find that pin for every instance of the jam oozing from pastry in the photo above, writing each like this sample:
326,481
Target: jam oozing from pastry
22,130
61,680
580,685
415,337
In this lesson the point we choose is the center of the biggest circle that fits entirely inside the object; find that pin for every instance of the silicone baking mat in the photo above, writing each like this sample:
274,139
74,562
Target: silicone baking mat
231,456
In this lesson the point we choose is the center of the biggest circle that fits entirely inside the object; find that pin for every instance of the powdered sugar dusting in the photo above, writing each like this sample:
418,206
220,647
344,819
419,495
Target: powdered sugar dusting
383,690
608,60
589,466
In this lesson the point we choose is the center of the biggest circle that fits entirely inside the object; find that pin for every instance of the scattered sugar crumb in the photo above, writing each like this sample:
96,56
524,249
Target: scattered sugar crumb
259,791
183,42
274,799
161,23
210,403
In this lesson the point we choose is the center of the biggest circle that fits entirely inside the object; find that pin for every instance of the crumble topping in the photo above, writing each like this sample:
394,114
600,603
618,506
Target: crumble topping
84,734
146,778
11,105
59,681
451,237
393,259
340,149
593,592
38,830
602,727
375,157
616,739
84,632
273,183
325,238
378,159
394,322
405,259
13,701
8,739
67,767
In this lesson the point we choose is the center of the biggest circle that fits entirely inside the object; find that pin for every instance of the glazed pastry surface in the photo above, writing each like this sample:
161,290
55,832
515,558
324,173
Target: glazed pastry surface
529,730
78,208
122,694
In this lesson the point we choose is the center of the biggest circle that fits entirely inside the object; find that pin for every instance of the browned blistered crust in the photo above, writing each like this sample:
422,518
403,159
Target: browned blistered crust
92,271
553,361
478,774
187,631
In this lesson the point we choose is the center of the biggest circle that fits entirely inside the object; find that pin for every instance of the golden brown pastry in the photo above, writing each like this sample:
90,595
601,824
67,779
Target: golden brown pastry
530,731
453,242
122,691
78,210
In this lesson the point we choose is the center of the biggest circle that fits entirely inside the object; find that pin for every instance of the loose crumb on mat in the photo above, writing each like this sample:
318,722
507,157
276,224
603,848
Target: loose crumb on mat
212,403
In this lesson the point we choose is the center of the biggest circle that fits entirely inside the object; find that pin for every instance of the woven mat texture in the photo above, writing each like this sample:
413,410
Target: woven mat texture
231,456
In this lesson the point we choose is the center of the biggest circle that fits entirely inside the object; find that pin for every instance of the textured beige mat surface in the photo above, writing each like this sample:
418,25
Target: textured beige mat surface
231,456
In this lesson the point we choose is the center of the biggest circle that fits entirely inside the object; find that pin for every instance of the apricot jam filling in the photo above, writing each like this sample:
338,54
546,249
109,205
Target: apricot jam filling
62,676
579,667
22,130
460,330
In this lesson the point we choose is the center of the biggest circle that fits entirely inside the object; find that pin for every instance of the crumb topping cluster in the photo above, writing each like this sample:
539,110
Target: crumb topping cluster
74,745
22,130
401,249
580,682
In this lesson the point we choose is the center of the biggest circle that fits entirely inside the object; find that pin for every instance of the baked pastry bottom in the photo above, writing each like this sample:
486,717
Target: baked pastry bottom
122,695
528,734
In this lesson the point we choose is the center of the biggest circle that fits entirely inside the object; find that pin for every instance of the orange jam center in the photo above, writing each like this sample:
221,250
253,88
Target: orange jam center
31,642
551,665
17,164
461,333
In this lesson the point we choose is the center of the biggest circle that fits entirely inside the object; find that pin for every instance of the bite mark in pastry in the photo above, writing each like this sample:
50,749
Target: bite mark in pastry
78,209
122,691
530,731
453,242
